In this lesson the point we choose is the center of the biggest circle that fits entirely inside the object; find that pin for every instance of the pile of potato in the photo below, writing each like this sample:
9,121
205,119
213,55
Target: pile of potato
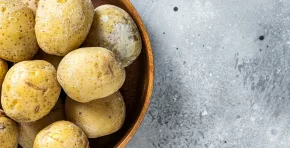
63,44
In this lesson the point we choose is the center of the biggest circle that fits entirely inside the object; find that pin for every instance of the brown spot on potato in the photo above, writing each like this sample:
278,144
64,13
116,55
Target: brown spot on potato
99,75
110,70
14,103
8,87
133,37
81,142
36,87
37,109
80,133
3,9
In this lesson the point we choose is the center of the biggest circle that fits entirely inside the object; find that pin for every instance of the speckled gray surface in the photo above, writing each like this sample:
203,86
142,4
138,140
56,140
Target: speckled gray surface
222,74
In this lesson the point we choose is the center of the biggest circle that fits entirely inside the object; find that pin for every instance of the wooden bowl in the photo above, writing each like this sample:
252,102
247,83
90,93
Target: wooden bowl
138,86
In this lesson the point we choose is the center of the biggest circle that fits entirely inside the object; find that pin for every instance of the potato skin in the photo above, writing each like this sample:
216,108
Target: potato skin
8,132
3,71
17,35
28,131
62,25
30,90
52,59
90,73
114,29
32,4
61,134
99,117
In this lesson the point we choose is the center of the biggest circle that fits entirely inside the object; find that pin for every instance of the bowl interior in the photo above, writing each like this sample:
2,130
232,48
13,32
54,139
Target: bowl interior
136,87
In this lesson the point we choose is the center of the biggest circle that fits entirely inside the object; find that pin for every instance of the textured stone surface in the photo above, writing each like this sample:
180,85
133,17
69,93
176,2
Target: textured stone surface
222,74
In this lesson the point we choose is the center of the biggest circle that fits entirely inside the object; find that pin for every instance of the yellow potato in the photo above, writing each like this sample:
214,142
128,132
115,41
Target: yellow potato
61,134
62,25
3,71
17,35
99,117
91,73
8,132
114,29
30,90
28,131
32,4
52,59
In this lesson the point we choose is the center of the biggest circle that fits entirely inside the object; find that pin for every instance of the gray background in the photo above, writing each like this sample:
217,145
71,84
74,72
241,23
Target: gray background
222,75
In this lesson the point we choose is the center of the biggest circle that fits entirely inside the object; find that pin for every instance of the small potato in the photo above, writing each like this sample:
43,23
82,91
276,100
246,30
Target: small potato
91,73
8,132
17,35
32,4
114,29
61,134
28,131
99,117
30,90
3,71
62,25
52,59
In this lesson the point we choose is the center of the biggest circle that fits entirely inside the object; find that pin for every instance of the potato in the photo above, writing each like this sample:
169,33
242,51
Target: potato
99,117
30,90
3,71
62,25
52,59
91,73
114,29
32,4
61,134
8,132
28,131
17,35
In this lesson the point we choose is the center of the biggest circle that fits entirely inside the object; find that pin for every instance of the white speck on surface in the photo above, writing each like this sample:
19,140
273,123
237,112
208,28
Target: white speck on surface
253,119
104,18
204,113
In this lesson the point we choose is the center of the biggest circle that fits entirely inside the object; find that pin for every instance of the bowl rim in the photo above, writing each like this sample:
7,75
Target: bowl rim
149,73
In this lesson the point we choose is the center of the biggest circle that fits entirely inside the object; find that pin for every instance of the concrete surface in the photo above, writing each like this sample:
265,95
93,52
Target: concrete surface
222,74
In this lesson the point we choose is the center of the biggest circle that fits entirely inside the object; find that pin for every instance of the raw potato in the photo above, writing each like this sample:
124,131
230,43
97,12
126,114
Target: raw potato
91,73
32,4
28,131
3,71
30,90
114,29
61,134
99,117
8,132
62,25
52,59
17,35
